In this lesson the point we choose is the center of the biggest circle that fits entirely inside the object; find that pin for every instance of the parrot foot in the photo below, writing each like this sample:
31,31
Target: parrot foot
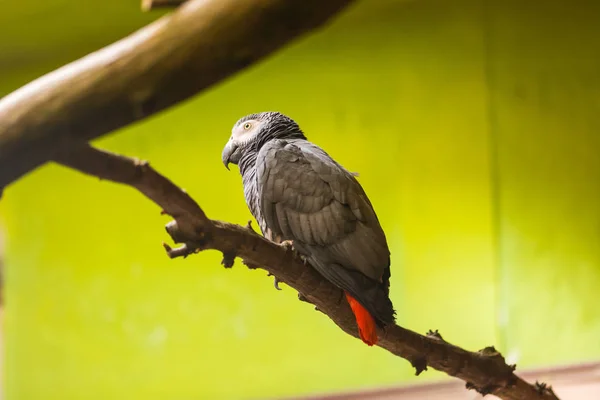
287,245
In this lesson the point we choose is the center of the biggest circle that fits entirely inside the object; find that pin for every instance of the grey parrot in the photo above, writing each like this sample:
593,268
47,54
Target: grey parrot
298,193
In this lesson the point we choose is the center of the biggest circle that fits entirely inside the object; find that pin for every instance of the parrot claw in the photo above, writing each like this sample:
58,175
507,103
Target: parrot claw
287,245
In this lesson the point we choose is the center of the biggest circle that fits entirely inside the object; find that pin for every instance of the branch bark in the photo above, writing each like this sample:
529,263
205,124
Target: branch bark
485,371
198,45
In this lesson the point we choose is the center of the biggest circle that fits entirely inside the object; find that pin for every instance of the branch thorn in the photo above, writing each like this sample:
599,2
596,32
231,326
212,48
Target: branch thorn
543,388
484,391
490,351
434,334
181,251
302,297
419,364
228,259
250,265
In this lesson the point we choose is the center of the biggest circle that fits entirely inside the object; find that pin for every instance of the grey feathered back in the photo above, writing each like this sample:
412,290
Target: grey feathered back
297,192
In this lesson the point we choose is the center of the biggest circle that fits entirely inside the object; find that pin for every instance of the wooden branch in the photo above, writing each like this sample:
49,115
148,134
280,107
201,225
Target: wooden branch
198,45
148,5
485,371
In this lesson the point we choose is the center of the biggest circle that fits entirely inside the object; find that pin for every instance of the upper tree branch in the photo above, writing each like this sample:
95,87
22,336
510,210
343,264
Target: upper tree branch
486,370
198,45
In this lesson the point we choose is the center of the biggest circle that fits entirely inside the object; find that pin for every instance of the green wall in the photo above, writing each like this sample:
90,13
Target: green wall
473,127
544,80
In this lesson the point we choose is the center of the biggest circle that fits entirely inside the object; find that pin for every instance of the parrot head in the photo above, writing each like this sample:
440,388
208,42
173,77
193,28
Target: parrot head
252,131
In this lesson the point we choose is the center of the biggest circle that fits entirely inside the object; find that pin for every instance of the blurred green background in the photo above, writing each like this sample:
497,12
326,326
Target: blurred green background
474,126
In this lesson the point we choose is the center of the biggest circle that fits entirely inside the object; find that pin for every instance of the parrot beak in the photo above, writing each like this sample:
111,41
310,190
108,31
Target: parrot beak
227,154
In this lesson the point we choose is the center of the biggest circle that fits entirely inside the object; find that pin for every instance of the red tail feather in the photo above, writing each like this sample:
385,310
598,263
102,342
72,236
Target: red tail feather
366,324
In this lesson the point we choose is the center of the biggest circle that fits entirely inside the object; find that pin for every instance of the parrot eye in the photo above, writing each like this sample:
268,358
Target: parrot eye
247,126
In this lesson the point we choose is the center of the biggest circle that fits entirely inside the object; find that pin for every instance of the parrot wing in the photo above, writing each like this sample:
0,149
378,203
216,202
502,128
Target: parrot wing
306,197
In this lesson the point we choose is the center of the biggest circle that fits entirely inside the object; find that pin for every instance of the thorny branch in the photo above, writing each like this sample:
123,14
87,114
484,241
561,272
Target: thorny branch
484,371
